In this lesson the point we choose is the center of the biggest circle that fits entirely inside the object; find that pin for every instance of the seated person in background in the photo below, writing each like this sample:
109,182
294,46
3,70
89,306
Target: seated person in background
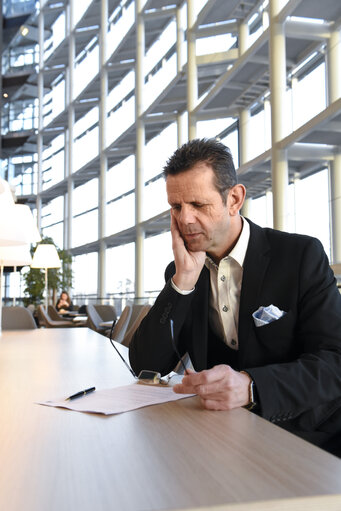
64,303
257,309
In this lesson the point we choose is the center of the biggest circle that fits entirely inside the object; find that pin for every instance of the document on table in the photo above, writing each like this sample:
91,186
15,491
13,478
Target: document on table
119,399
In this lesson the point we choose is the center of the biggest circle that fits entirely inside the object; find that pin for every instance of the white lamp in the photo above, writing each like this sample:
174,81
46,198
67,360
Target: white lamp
17,226
46,256
6,196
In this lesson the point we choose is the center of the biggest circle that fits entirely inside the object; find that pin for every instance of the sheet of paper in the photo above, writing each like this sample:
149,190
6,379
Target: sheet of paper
119,399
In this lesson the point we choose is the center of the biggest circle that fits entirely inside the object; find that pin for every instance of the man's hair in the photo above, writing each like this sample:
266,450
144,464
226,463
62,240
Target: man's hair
209,151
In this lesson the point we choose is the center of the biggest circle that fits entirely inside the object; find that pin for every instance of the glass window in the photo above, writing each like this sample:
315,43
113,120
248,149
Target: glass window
312,207
158,150
120,214
85,271
85,197
158,254
309,96
56,233
154,198
85,228
121,269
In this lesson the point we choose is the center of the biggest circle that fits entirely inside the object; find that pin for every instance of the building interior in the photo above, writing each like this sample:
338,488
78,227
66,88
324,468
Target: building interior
96,95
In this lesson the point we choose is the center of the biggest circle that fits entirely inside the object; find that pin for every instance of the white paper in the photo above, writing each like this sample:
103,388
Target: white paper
119,399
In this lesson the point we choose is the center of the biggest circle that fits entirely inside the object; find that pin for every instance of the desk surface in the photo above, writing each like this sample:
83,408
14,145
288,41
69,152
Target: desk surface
169,456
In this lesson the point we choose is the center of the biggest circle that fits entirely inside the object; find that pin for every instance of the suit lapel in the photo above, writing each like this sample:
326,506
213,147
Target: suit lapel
255,265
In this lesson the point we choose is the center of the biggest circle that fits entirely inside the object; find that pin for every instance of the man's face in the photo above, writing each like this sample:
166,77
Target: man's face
201,215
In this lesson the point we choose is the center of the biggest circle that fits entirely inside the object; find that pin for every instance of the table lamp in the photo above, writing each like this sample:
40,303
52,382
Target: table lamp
17,227
46,256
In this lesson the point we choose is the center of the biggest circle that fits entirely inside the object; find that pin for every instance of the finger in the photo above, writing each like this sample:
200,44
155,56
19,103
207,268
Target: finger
208,376
179,388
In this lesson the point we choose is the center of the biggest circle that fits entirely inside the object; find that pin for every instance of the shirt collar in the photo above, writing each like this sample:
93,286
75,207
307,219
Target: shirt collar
239,250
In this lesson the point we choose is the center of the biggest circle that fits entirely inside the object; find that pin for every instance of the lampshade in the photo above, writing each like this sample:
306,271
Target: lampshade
17,226
18,255
6,197
46,256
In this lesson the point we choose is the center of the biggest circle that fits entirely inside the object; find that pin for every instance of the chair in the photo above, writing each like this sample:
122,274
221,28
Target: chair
107,312
94,320
122,324
141,312
53,313
45,320
17,318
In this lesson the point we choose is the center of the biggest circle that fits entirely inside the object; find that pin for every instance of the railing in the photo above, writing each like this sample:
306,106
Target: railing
118,300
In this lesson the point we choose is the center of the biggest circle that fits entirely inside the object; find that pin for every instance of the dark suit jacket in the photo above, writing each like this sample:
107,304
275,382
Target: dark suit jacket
294,361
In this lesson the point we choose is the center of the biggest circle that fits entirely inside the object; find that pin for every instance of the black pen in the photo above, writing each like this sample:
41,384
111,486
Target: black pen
80,394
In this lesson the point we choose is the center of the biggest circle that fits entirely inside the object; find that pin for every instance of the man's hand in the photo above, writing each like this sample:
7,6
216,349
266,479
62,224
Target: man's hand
219,388
188,264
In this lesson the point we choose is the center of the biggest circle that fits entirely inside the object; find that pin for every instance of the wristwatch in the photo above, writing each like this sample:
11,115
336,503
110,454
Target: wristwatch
252,394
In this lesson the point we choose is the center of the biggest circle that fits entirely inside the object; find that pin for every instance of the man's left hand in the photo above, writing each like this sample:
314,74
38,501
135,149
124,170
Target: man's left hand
219,388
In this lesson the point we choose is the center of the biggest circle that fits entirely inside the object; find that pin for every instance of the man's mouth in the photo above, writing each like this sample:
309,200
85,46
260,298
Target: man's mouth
192,235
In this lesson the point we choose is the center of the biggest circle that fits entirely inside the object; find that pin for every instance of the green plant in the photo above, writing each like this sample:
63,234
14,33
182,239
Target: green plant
57,279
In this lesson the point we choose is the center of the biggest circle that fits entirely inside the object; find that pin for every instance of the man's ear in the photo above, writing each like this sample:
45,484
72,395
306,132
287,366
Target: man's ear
236,198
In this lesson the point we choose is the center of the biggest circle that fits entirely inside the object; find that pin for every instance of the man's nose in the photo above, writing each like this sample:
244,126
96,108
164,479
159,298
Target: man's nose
187,215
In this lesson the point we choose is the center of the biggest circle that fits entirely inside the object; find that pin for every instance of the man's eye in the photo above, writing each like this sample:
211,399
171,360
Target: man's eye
198,205
175,207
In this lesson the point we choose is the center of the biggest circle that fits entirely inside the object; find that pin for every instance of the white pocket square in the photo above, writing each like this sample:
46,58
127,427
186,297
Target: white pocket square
265,315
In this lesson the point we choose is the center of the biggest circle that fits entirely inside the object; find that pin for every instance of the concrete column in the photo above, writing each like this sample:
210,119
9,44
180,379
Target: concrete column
192,73
243,136
267,124
333,66
333,93
102,202
40,118
294,83
335,208
180,130
180,37
66,151
269,208
140,143
71,120
243,34
279,163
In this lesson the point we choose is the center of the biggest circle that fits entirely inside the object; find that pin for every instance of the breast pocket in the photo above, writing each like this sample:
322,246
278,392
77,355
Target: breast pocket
277,339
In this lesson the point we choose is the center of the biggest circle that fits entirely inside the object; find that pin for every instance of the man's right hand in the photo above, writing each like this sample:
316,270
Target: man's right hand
188,264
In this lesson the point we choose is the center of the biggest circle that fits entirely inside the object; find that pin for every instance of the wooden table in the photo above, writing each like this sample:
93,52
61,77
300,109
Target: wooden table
169,456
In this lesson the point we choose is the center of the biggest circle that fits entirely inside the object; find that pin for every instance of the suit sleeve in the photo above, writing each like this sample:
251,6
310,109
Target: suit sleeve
151,346
313,379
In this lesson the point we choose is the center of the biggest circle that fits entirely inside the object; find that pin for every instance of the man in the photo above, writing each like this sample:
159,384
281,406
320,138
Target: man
283,360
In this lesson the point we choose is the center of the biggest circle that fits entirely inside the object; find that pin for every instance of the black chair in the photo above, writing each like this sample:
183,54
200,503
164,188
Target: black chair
17,318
